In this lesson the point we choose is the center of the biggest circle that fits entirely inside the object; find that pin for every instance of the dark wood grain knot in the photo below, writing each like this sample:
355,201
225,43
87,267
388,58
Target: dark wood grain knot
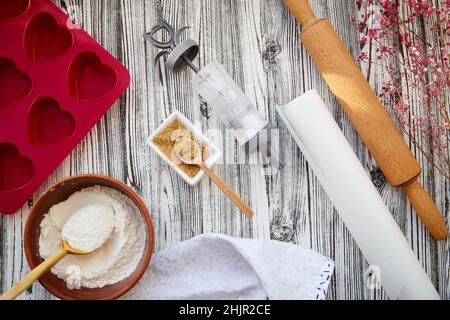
205,109
378,178
282,230
272,51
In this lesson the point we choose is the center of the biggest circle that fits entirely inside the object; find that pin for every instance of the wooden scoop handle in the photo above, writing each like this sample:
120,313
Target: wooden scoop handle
426,209
301,10
228,191
34,275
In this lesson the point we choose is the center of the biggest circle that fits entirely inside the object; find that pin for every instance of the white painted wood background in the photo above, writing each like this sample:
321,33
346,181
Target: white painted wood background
257,41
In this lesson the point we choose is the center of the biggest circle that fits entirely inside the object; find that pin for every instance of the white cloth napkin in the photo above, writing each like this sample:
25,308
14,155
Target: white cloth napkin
215,266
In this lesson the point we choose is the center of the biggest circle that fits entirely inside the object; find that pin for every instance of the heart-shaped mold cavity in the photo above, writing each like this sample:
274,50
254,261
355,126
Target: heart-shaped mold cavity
46,39
48,124
89,78
16,170
12,8
14,84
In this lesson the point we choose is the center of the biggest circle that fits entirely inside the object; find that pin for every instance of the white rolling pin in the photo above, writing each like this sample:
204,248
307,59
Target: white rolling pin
356,198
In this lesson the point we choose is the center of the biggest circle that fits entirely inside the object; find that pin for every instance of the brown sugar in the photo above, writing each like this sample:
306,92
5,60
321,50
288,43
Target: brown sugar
166,140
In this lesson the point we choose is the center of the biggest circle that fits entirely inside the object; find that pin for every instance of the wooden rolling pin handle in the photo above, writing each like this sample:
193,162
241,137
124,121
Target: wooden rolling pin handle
302,11
426,209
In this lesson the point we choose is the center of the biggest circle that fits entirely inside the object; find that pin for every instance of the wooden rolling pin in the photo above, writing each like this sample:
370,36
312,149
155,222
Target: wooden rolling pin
366,112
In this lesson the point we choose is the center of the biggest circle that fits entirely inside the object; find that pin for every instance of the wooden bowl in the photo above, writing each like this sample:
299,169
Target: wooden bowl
60,192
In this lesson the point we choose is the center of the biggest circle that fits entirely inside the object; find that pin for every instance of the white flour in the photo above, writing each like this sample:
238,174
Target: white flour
116,259
90,227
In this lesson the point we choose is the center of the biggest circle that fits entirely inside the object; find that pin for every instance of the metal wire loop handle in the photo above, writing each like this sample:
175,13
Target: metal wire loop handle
152,36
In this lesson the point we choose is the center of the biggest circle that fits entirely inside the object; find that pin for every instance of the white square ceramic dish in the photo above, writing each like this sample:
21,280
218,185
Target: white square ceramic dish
213,151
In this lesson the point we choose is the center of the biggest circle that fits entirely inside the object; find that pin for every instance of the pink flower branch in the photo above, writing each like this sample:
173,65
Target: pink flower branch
410,40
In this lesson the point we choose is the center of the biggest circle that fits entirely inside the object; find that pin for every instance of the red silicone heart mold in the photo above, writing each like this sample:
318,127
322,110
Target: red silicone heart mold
10,9
46,39
89,78
48,124
56,83
16,170
14,83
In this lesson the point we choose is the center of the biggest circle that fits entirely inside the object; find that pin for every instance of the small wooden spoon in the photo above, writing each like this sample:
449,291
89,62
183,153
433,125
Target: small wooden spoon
66,249
188,151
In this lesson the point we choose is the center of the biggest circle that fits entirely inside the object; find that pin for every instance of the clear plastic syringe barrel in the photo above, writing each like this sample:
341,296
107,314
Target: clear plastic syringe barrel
229,102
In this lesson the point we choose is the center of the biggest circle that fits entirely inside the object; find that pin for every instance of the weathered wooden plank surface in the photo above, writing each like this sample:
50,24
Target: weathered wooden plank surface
257,41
